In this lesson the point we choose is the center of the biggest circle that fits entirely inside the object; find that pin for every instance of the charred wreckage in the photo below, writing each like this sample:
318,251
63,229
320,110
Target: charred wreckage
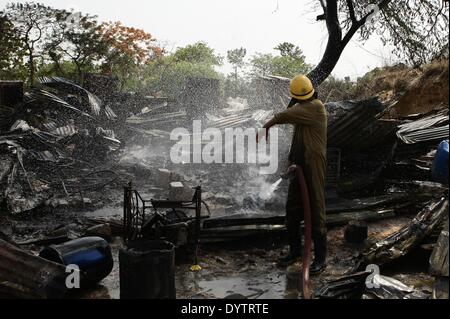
61,144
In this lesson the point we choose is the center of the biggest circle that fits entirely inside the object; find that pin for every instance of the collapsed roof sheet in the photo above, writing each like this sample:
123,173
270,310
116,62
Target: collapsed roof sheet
90,101
240,118
356,125
430,128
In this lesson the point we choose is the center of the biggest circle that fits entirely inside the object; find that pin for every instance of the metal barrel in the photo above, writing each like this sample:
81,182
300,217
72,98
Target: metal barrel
147,270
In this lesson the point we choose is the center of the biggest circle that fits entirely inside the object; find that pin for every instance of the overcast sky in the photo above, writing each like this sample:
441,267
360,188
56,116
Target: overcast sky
257,25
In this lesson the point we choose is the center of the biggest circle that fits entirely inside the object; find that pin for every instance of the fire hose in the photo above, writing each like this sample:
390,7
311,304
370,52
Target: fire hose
304,192
296,171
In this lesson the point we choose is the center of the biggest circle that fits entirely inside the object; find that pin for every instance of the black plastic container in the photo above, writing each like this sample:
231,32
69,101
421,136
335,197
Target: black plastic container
147,270
91,254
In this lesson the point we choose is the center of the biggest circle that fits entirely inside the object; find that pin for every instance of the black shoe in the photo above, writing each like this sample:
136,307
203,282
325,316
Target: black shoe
288,260
318,267
295,251
320,256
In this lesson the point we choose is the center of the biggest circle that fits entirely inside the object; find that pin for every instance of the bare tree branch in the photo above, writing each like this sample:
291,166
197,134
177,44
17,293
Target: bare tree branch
323,16
322,3
351,10
337,43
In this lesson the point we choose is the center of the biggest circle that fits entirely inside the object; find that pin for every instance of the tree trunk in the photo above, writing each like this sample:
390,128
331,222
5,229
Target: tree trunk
235,83
336,42
31,69
79,74
334,47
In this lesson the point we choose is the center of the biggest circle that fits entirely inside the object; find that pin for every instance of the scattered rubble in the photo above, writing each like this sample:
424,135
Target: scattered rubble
65,151
356,232
400,243
439,265
104,231
57,137
365,286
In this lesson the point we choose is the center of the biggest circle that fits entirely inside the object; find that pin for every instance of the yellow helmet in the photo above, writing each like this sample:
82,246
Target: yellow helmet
302,88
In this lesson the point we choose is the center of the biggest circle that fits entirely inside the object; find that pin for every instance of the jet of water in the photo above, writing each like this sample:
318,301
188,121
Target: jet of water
267,192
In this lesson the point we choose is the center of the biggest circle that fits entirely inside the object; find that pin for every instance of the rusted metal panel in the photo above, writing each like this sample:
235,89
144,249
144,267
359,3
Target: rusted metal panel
26,276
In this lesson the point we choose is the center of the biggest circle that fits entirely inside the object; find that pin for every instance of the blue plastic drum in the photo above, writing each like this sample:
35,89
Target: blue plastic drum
91,254
440,165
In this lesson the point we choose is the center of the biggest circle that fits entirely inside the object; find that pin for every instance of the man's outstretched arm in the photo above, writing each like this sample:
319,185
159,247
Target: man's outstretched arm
304,115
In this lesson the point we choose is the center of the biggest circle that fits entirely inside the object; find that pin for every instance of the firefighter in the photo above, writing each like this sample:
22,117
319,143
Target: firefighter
308,150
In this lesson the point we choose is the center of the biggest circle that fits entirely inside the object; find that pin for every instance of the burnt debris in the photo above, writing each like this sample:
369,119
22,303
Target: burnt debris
65,148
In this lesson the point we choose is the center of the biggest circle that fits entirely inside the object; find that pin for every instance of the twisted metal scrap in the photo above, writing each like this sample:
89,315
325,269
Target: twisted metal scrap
399,244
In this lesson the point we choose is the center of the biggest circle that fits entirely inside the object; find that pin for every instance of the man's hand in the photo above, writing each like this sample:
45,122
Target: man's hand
290,173
258,137
268,126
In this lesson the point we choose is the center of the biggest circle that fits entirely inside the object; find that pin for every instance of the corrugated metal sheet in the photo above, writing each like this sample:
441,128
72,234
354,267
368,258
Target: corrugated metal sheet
110,113
95,104
152,133
23,275
50,126
356,125
151,119
20,125
65,131
429,128
352,125
240,118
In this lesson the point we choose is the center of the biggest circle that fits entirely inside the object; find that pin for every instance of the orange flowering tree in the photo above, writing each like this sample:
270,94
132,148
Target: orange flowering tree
129,49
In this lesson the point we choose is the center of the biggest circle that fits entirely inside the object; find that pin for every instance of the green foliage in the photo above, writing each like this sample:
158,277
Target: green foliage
126,70
290,50
35,36
262,64
416,29
66,69
236,87
236,59
334,89
77,41
198,53
287,67
31,23
289,63
167,75
11,52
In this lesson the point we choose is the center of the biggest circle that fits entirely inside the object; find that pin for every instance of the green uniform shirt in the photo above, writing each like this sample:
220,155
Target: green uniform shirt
310,134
